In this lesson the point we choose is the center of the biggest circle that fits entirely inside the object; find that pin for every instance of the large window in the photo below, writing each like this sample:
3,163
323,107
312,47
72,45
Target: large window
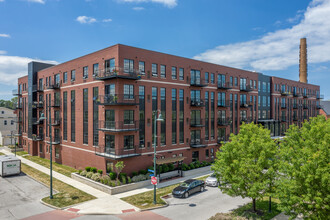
162,71
174,74
85,116
181,116
163,111
154,108
221,80
95,117
195,77
206,77
109,65
95,69
65,115
65,77
212,78
154,69
73,75
142,117
128,66
174,117
181,74
128,116
128,91
129,142
85,72
142,67
242,83
222,99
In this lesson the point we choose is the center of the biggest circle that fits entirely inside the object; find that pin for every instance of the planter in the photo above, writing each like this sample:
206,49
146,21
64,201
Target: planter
201,170
108,189
169,174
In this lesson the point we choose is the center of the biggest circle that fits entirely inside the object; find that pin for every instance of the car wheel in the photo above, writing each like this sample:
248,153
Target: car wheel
202,188
186,195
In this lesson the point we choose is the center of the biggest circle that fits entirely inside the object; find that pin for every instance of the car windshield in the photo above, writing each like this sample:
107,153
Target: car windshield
184,184
213,175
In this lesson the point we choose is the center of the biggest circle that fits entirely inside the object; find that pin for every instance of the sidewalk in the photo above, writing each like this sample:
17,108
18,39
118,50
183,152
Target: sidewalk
104,204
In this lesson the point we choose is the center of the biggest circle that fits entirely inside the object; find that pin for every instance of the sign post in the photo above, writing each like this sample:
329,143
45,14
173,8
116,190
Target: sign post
154,180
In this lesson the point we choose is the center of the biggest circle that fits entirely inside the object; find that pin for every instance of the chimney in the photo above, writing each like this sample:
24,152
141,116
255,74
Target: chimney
303,61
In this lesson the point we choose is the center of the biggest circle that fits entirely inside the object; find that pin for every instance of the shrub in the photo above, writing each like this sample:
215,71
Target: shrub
160,169
112,175
118,183
185,167
96,177
83,173
79,171
197,164
88,169
93,169
170,166
100,171
138,178
129,180
89,174
205,163
105,179
143,172
122,175
134,173
113,184
165,168
123,179
192,166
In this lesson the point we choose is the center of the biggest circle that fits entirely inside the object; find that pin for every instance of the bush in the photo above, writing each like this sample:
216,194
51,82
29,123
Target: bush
118,183
160,169
88,169
185,167
192,166
93,169
122,175
79,171
112,175
205,163
89,174
134,173
165,168
123,179
170,166
139,178
96,177
143,172
197,164
100,171
129,180
112,183
105,180
83,173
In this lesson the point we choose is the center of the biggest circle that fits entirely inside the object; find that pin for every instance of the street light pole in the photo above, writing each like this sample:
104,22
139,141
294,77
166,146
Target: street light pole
15,147
155,143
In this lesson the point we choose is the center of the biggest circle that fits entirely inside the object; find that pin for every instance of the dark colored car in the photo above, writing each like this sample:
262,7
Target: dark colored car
188,187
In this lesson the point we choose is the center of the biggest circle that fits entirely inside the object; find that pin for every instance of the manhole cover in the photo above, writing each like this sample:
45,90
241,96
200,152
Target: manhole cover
192,205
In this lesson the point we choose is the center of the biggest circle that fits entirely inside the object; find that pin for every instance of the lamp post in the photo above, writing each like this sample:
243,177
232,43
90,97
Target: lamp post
155,143
15,147
42,117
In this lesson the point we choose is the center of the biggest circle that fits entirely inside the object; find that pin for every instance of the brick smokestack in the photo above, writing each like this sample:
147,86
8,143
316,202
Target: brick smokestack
303,61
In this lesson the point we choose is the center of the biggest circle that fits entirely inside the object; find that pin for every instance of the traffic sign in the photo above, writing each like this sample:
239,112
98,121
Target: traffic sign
154,180
151,174
151,171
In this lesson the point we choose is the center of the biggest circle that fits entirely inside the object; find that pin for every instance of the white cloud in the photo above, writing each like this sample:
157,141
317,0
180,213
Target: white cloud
2,52
37,1
107,20
13,67
2,0
138,8
168,3
280,49
85,19
5,35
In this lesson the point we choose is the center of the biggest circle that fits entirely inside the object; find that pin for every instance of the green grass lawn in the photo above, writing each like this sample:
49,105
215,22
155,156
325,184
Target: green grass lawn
21,153
66,196
2,153
145,200
65,170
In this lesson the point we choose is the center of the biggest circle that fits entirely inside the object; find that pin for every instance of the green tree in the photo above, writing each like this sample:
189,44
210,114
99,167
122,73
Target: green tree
305,167
119,167
245,164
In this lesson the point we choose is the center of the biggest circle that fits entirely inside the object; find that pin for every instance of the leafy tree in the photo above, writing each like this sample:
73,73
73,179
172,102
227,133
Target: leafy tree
119,167
8,103
245,164
305,167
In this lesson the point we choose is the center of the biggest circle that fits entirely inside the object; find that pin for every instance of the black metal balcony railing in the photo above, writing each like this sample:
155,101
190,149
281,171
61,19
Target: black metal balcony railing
198,82
224,121
320,96
55,140
37,104
305,106
296,94
305,95
246,88
221,139
285,93
224,85
197,123
246,120
55,103
16,92
117,73
223,103
197,142
56,121
117,99
246,104
38,88
38,137
197,102
37,121
116,153
54,85
118,126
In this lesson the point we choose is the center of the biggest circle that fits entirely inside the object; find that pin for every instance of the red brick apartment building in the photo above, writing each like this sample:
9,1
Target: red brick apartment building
101,107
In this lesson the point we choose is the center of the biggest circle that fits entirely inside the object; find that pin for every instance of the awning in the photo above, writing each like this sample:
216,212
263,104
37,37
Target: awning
169,160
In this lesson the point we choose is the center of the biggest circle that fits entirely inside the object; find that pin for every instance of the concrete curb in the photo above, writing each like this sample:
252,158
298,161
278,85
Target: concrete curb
166,205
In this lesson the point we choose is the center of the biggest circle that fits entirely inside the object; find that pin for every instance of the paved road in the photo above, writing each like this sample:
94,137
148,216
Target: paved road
19,197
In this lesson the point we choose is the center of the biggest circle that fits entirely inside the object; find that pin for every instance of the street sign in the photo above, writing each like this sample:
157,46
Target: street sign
151,174
151,171
154,180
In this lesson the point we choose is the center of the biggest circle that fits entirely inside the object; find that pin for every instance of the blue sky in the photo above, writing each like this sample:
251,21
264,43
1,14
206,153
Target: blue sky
256,35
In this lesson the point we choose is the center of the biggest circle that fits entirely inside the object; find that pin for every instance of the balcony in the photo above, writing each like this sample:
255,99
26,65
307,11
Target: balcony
16,92
197,143
55,140
283,106
118,126
56,121
305,106
117,99
38,88
285,93
55,85
115,153
198,82
246,120
320,96
296,94
39,137
305,95
224,121
196,123
197,102
224,85
55,103
245,104
245,88
37,104
221,139
223,103
117,73
36,121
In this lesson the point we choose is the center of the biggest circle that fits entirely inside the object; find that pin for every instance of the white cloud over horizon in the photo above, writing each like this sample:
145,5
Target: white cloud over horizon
167,3
37,1
279,50
138,8
13,67
85,19
5,35
107,20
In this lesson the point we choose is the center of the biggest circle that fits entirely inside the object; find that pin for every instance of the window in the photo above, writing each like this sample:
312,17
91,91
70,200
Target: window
259,100
154,69
73,116
65,77
174,72
85,116
268,87
181,116
255,84
236,83
259,86
12,122
65,115
5,122
57,152
128,91
41,148
251,83
207,154
264,84
212,152
181,74
73,75
57,79
95,69
212,78
263,101
129,142
242,83
142,67
195,77
162,71
206,77
231,81
95,117
128,66
128,116
174,116
85,72
109,65
268,104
